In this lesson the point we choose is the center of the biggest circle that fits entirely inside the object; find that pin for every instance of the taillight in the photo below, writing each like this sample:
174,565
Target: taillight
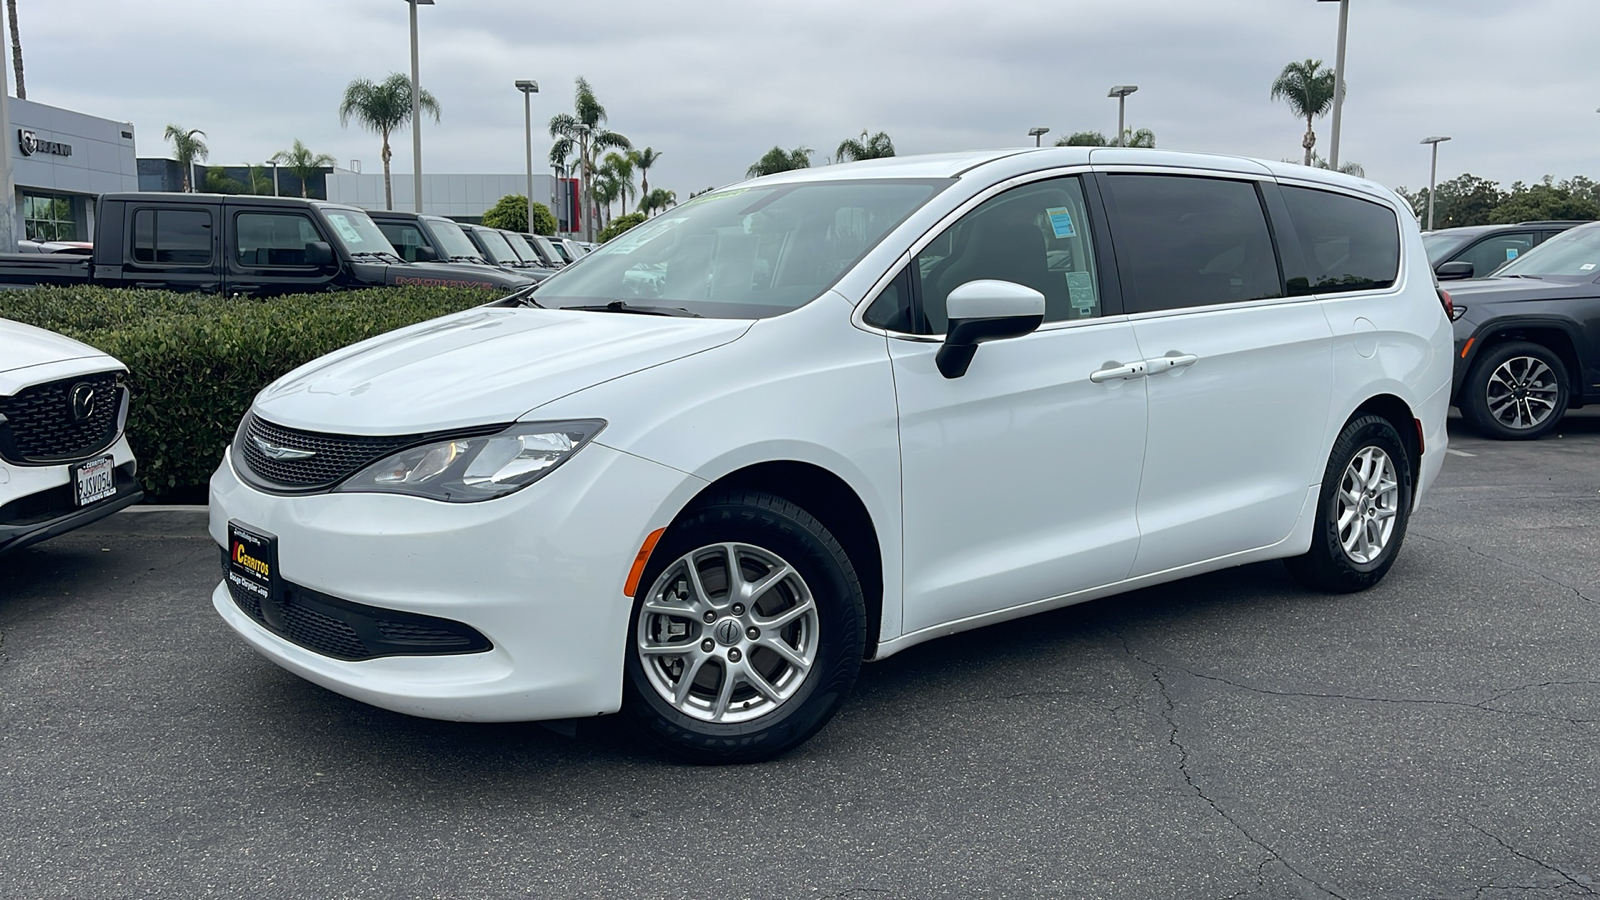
1444,300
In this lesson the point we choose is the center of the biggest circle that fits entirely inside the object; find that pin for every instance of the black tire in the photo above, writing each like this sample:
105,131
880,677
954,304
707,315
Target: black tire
1329,565
1483,395
765,524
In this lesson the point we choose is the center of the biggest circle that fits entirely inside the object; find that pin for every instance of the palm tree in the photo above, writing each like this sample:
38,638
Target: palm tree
16,49
1308,89
618,170
643,160
302,163
779,160
876,147
384,108
187,149
660,198
582,133
1144,137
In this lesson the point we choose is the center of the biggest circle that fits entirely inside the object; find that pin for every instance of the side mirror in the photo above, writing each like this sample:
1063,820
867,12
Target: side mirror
1454,271
319,253
982,311
424,254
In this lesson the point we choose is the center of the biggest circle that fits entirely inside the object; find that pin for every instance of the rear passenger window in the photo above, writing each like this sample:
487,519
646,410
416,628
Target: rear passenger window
1189,242
1348,244
180,237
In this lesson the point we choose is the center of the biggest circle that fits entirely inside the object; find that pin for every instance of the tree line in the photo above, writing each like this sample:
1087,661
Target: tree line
1470,200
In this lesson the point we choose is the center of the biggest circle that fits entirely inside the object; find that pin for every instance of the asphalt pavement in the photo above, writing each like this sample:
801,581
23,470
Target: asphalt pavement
1227,736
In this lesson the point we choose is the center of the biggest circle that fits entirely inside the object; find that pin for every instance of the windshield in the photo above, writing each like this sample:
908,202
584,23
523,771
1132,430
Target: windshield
521,248
1575,252
1441,244
744,252
357,232
495,246
452,240
561,250
545,250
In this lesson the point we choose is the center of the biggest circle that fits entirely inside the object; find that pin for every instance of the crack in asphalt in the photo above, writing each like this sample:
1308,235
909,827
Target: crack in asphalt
1169,715
1533,859
1509,564
1482,705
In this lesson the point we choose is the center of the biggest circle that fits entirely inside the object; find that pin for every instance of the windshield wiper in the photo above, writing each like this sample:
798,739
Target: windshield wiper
1519,275
377,254
471,259
621,307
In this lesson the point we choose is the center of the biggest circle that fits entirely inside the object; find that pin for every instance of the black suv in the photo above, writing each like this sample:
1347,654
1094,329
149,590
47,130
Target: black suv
1475,251
1528,340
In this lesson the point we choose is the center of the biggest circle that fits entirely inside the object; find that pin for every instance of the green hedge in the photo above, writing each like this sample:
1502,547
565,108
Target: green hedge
196,360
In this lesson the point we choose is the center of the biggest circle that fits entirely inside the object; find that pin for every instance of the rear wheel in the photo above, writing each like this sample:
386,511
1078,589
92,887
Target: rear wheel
1516,391
748,634
1362,511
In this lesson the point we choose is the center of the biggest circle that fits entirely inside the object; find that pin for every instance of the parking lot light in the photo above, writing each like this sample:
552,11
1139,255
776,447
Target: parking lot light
1433,173
1338,82
528,88
1037,133
416,111
1121,92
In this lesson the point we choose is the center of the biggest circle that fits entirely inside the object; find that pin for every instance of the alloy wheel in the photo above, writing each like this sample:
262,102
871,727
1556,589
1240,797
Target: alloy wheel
1368,502
728,633
1522,392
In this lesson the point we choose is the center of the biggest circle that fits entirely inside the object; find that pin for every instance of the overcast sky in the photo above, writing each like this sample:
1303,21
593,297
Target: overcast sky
715,83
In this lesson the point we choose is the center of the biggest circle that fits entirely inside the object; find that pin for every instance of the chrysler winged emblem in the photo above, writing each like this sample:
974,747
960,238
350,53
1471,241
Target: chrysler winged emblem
275,451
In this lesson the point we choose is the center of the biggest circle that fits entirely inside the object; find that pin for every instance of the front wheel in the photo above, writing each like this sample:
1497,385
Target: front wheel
1362,511
1516,391
749,634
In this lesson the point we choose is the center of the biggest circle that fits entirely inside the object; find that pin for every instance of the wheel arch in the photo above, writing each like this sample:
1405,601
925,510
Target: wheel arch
1544,332
836,505
1405,421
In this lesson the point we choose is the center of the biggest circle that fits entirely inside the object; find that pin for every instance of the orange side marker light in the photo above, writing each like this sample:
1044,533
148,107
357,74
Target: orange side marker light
640,561
1467,347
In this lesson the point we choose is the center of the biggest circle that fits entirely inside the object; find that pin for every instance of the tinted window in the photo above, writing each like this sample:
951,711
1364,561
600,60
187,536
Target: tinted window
406,238
1492,253
1036,235
1191,242
892,308
1440,244
1347,244
273,239
180,237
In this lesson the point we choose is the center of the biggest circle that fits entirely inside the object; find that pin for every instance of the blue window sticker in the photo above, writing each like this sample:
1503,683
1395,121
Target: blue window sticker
1511,253
1061,221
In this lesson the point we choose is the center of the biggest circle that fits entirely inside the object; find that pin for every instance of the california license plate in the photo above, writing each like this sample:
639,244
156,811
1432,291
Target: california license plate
95,480
252,560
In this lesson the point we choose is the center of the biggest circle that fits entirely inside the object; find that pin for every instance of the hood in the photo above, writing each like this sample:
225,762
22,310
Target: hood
478,367
22,346
454,275
1505,289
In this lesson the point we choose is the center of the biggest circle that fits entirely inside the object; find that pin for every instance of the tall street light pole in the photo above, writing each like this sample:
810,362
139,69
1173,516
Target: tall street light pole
1037,133
528,89
1338,81
1433,174
1121,92
416,108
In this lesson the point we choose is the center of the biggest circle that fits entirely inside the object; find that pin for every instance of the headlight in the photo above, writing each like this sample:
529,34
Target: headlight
469,469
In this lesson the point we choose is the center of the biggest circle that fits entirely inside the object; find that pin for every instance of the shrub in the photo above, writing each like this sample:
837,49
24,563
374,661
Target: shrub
619,225
195,361
511,213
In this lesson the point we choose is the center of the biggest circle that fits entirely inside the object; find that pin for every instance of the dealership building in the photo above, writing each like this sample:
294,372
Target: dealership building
61,161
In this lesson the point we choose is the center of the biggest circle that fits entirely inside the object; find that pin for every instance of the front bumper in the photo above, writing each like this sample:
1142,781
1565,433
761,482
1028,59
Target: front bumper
540,573
36,502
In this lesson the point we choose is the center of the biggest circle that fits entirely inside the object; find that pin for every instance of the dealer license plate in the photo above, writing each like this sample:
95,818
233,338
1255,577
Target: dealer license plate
95,480
252,560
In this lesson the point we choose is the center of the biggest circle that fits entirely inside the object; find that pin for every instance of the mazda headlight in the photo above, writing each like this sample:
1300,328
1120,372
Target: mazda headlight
482,467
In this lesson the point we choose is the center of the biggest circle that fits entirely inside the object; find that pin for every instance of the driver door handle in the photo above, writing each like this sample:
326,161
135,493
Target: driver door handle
1164,363
1113,372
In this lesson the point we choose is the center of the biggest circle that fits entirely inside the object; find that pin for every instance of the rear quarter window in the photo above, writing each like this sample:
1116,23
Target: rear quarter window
1346,244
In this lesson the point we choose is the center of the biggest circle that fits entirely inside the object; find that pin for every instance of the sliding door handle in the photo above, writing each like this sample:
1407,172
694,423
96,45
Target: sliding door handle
1113,372
1163,363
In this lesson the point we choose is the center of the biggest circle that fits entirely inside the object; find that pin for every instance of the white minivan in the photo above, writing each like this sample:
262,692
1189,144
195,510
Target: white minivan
64,461
820,417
